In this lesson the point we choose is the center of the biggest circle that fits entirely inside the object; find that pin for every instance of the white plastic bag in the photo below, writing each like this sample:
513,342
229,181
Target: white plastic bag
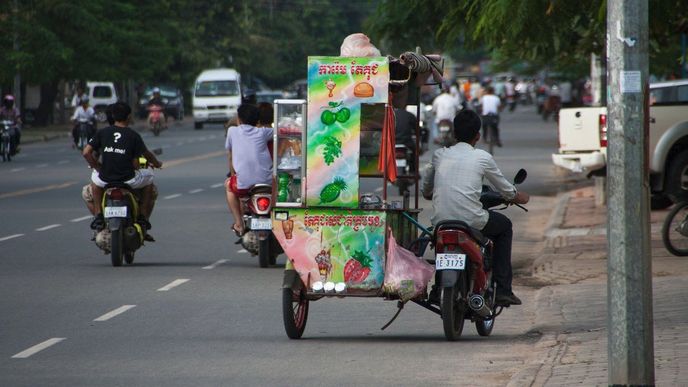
406,275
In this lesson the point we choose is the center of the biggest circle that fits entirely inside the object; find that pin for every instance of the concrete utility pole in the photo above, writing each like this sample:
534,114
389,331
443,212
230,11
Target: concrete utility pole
629,321
16,88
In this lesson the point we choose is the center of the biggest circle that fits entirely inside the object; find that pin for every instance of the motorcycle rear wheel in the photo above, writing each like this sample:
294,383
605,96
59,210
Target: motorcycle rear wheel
454,307
116,248
484,327
294,312
264,253
674,241
156,128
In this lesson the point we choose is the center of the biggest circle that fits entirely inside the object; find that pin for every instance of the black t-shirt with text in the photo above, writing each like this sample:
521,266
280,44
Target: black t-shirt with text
118,147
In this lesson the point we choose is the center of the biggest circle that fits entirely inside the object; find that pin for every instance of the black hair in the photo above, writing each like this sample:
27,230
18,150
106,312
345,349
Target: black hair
7,103
266,114
466,125
120,111
248,114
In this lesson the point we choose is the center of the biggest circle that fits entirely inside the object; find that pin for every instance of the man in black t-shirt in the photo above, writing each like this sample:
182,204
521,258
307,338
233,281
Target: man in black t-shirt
119,148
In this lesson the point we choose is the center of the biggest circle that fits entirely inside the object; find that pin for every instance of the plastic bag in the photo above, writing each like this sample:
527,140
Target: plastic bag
406,275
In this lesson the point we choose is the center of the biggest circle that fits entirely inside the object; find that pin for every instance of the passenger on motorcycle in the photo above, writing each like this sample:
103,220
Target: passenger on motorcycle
249,159
454,181
444,107
83,113
11,113
119,148
491,105
156,100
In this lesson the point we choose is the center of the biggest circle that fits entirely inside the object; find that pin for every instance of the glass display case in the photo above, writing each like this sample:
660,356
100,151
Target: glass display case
288,153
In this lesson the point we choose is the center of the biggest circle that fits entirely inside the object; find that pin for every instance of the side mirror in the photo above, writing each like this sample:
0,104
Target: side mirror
520,176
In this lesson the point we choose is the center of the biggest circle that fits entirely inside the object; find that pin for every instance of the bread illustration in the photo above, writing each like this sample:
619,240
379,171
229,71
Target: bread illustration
363,90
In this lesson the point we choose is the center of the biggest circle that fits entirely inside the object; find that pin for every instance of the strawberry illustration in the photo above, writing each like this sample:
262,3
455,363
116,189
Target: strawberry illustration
357,269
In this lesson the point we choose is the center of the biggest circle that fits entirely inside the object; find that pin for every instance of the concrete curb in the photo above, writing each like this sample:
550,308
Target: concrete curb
556,219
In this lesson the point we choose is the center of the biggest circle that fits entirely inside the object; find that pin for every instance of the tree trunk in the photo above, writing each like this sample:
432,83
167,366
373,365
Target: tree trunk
44,113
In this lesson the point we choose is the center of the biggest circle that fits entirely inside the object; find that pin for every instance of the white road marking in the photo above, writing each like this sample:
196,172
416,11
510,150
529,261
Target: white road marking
41,165
202,138
172,196
197,190
38,347
114,313
242,251
173,284
63,162
379,189
218,185
48,227
180,143
216,264
11,237
81,219
17,169
213,137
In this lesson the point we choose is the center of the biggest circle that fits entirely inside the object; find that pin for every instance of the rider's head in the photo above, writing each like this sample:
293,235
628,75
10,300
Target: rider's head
156,91
84,101
120,112
8,101
489,90
266,114
248,114
466,126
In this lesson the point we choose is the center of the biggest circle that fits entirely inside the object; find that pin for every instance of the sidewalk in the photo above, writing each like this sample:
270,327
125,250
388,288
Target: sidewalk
571,304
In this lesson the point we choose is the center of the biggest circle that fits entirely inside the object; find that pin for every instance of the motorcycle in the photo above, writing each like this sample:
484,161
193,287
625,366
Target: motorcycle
85,132
404,160
445,129
155,113
259,239
6,128
122,235
463,260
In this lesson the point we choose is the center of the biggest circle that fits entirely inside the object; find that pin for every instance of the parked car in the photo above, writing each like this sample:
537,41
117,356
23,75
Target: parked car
268,96
216,97
171,96
100,95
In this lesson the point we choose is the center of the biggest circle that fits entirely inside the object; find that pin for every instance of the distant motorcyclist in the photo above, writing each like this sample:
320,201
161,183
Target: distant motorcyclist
83,114
9,112
156,100
445,107
490,106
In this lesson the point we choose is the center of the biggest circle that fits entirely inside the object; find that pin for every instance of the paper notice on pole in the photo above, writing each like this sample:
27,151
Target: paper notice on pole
630,82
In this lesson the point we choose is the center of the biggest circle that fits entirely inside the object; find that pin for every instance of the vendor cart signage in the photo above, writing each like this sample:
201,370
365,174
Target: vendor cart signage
337,86
336,250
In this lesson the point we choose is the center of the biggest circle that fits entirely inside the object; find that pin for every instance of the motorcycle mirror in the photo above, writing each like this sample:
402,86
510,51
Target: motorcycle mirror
157,151
520,176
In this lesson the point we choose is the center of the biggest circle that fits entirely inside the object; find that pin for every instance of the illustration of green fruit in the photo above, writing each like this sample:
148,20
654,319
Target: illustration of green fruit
331,191
332,150
343,115
328,118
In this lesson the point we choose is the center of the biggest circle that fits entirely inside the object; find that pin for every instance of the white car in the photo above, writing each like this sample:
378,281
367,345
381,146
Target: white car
100,95
216,96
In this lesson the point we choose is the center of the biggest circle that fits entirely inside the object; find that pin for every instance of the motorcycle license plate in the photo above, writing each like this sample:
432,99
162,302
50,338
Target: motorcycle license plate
401,163
261,224
444,129
115,212
450,261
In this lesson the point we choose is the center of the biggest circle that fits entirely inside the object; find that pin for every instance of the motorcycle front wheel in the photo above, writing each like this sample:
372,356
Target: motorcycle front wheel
454,307
116,248
294,312
129,258
156,128
675,229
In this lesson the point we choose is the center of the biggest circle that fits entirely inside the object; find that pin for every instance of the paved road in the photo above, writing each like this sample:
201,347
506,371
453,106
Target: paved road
195,309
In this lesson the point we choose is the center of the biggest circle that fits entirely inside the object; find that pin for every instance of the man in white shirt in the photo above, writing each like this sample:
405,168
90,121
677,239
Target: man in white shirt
445,107
454,182
83,114
490,106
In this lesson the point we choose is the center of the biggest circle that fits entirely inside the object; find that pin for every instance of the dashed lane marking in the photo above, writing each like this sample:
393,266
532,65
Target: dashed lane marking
115,312
216,264
172,196
173,284
41,165
242,251
210,155
63,162
197,190
38,347
11,237
36,190
45,228
218,185
75,220
17,169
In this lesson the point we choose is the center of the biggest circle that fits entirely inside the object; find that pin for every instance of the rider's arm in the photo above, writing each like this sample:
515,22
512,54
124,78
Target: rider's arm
76,113
89,155
499,183
150,156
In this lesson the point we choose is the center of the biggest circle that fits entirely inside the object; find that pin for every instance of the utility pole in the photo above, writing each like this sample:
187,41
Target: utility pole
629,286
16,88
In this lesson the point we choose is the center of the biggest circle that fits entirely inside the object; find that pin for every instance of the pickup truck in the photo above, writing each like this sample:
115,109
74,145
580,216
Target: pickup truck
583,141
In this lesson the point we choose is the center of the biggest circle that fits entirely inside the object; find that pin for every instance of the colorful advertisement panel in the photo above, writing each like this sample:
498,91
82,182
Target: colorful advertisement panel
334,250
337,86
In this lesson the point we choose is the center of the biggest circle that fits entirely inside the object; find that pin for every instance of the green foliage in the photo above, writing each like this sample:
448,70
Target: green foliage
332,150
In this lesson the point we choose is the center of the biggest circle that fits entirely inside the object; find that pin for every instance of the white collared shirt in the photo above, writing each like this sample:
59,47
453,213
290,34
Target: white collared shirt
490,104
455,178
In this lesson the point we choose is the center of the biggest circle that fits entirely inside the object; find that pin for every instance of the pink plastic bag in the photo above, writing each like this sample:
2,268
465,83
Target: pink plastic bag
405,275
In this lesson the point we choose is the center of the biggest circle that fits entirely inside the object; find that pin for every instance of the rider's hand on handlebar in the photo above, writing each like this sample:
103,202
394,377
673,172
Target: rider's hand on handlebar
521,198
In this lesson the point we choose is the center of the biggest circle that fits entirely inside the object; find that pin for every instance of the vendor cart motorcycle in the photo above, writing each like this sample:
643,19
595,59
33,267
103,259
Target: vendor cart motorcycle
404,160
259,239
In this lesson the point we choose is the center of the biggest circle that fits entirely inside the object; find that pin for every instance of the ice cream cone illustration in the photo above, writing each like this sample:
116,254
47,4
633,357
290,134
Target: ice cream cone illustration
288,227
330,85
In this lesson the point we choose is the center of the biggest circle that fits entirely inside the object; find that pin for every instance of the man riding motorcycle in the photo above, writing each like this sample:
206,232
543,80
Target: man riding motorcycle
120,148
11,113
156,100
490,106
83,113
454,181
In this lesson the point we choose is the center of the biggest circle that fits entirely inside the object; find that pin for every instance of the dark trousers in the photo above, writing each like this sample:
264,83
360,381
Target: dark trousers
498,229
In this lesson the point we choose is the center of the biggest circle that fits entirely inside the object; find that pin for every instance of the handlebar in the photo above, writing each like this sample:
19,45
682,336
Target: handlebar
491,199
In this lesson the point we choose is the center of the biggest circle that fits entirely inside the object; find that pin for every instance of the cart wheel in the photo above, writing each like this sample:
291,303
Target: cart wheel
454,307
294,312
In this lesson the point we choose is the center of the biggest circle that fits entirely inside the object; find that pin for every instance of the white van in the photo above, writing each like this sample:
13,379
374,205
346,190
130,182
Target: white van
100,95
216,96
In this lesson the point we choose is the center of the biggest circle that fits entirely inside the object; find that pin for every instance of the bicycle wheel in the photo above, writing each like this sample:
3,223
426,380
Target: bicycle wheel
675,230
